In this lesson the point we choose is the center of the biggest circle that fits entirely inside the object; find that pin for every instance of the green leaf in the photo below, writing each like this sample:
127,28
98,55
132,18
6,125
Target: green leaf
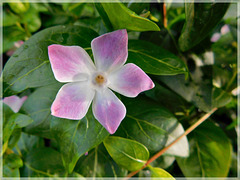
123,18
97,163
14,138
12,123
201,18
31,19
40,112
8,126
13,161
225,50
154,59
29,66
8,129
11,164
127,153
7,113
77,137
9,18
8,172
203,95
74,8
12,34
28,143
21,120
210,153
147,123
160,174
50,163
174,103
138,7
104,16
19,7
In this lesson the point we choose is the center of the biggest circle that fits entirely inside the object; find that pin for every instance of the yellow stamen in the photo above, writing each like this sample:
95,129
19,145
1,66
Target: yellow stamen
100,79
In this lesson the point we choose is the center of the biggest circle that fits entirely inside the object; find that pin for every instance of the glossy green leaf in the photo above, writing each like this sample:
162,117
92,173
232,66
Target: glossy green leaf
154,59
104,16
203,95
29,66
77,137
8,129
98,163
127,153
160,174
37,106
14,138
21,120
50,163
147,123
201,18
138,7
123,18
174,103
210,153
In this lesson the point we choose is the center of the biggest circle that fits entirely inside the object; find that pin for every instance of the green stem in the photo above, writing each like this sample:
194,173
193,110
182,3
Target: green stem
95,163
232,79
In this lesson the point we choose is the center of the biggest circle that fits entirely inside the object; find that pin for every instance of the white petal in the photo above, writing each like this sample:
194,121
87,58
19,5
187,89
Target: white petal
70,63
110,50
108,109
73,100
130,80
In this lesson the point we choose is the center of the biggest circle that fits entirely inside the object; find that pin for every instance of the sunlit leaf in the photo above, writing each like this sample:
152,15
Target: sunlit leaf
127,153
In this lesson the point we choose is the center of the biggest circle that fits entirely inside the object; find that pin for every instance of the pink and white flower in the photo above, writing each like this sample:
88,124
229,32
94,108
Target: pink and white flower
14,102
88,82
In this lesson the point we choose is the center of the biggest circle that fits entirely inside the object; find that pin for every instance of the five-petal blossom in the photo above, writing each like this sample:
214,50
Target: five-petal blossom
87,82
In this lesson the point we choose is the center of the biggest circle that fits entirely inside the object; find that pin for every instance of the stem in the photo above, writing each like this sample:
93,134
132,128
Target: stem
190,129
164,15
95,162
232,79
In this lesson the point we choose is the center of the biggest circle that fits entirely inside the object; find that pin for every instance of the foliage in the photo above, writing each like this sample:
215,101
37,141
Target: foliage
192,74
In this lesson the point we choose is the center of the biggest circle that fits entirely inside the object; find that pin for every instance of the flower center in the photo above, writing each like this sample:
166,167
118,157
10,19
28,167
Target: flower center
100,79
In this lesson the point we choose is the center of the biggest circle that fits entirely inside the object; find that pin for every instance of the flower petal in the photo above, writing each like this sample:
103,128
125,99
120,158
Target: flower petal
130,80
69,63
14,102
110,50
108,110
73,100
